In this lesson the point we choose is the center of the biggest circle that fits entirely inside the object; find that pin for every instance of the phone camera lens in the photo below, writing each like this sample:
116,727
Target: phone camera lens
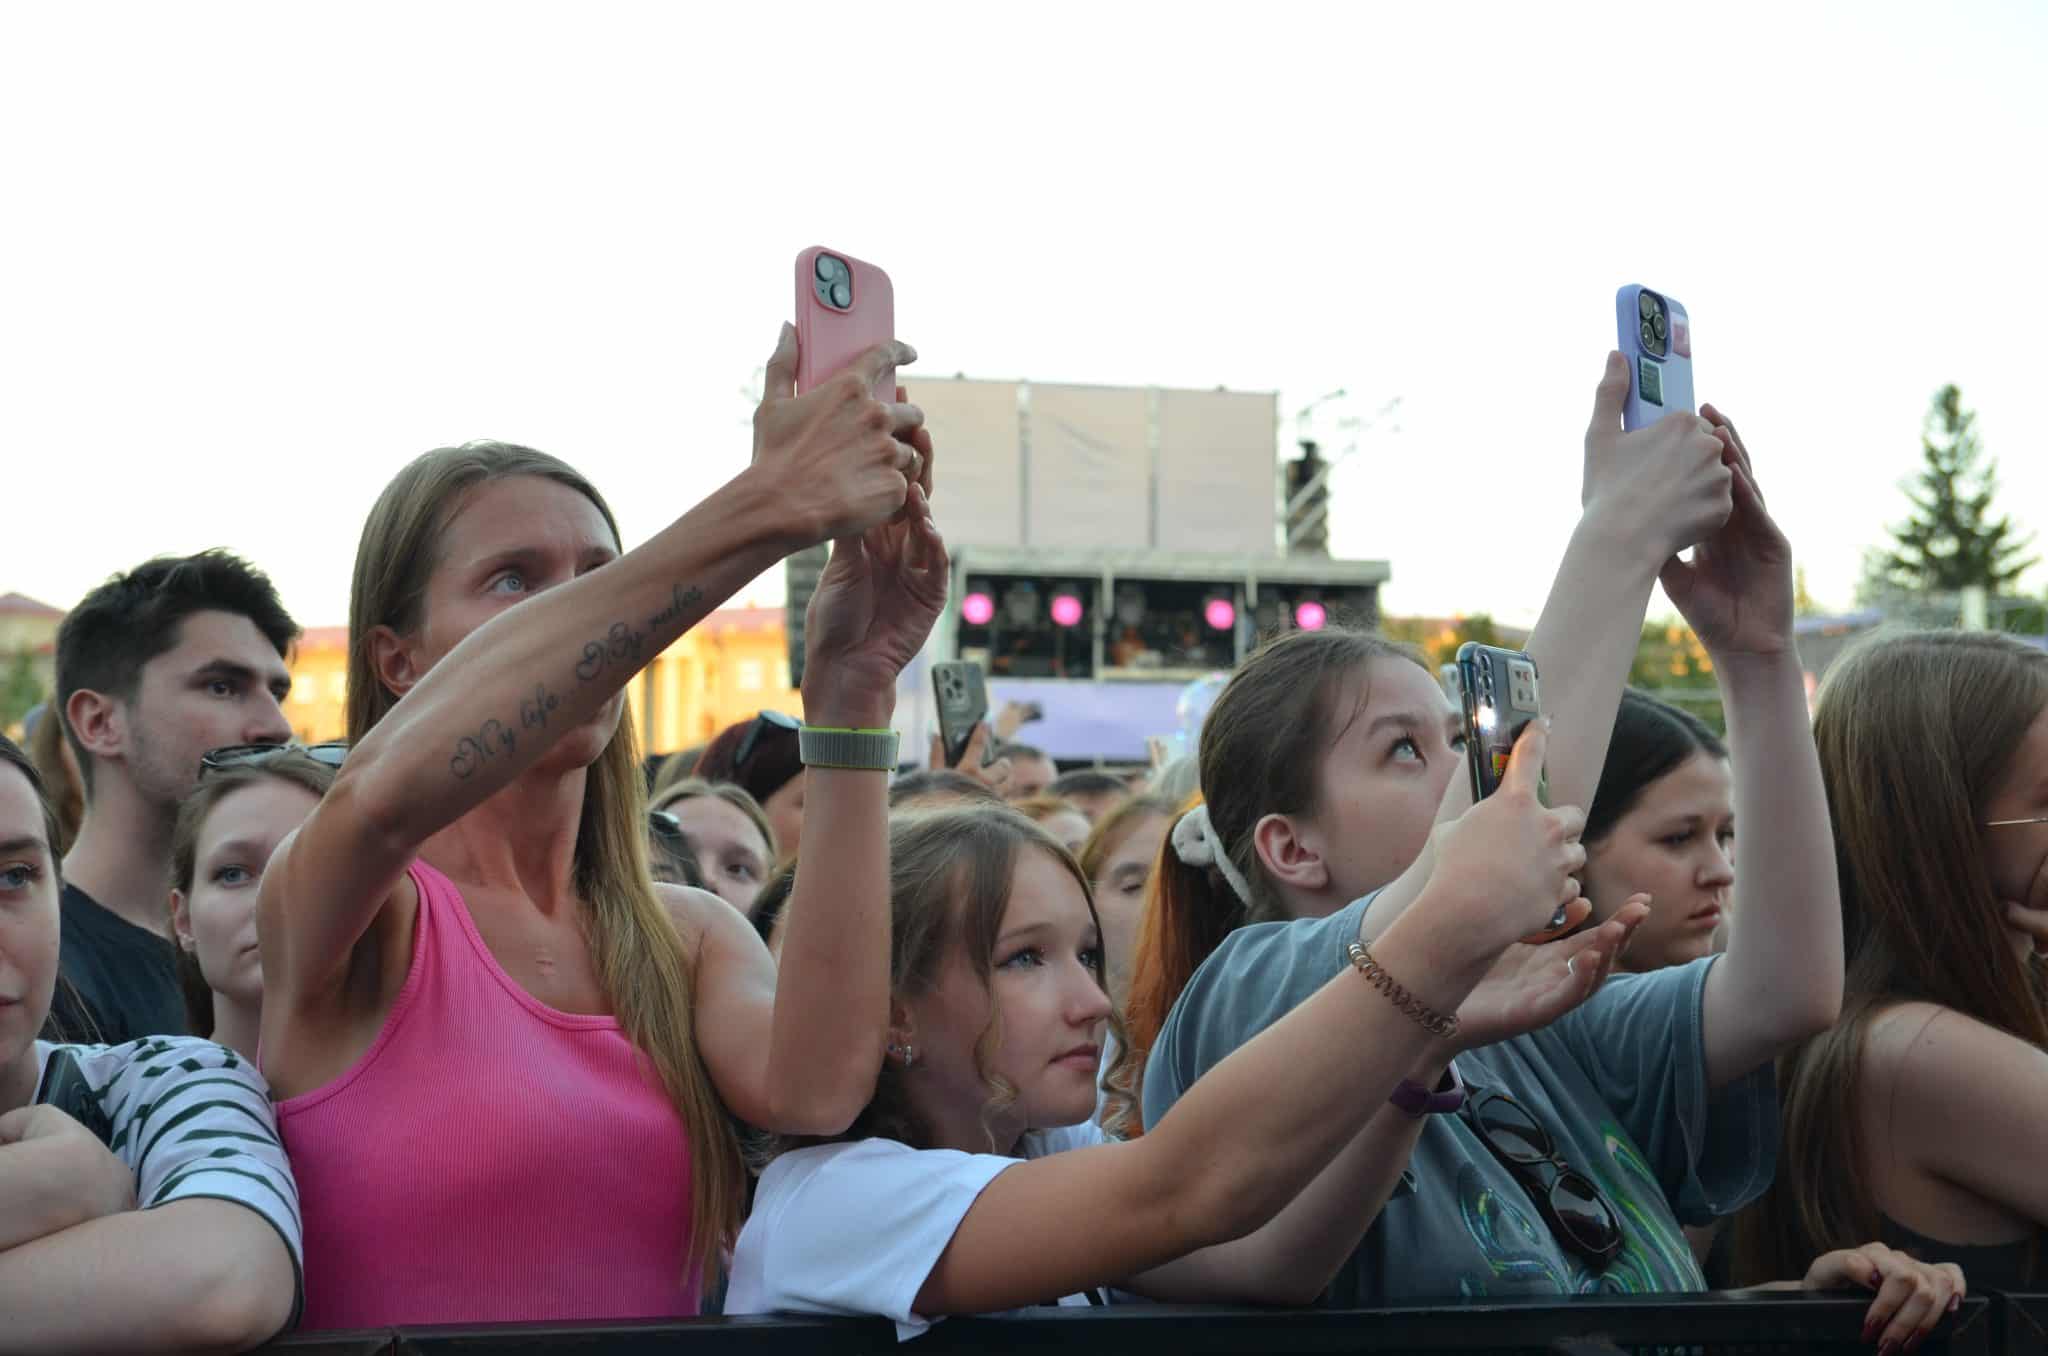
842,295
1649,335
830,268
1657,324
1646,304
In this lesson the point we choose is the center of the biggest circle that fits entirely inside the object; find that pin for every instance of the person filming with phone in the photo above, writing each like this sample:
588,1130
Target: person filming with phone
509,1063
1555,1148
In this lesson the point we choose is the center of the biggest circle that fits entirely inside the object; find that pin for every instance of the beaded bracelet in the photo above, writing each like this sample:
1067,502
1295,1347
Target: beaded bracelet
1434,1022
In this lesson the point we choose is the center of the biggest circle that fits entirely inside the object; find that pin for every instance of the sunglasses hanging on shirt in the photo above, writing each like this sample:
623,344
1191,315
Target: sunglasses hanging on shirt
1577,1212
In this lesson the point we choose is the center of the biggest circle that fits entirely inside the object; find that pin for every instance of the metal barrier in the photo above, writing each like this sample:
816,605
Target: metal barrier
2020,1325
1766,1324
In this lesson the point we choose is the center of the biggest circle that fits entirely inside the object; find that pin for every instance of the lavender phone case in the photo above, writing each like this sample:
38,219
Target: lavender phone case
1657,383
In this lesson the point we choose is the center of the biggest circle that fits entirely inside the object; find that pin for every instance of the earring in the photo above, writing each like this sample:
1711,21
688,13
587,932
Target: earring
906,1052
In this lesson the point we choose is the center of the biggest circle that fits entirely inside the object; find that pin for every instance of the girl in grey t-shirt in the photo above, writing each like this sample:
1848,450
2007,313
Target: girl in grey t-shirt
1590,1132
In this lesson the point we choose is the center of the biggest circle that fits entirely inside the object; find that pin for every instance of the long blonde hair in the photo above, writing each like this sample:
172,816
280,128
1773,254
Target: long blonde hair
1915,731
638,954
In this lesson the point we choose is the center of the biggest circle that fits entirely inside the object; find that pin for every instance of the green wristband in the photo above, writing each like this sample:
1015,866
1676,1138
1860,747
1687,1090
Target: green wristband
848,750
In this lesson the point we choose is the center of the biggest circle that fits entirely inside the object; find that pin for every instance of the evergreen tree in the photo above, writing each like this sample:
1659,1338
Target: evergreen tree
1952,541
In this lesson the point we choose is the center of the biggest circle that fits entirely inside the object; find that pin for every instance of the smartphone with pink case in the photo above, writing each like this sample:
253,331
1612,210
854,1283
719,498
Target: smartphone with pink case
844,307
1654,334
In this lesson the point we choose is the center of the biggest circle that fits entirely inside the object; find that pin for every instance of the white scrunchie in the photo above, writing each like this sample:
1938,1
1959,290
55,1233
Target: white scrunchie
1195,842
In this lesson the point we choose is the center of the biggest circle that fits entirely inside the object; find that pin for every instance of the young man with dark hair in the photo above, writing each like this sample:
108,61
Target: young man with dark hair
155,668
1031,771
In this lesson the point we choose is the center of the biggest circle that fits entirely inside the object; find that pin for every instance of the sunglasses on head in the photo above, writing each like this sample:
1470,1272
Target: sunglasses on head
330,753
763,723
1577,1212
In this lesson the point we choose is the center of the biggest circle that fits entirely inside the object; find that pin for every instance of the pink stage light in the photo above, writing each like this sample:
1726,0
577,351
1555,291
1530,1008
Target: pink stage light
1311,616
978,609
1221,614
1066,610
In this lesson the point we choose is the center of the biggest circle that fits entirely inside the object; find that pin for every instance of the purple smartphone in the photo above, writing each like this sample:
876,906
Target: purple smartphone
1653,333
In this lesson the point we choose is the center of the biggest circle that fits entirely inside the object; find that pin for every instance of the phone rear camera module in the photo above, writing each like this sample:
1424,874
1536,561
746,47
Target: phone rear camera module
832,280
1656,324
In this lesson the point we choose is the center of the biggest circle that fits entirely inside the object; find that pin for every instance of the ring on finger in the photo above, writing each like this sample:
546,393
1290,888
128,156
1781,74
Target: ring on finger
1571,967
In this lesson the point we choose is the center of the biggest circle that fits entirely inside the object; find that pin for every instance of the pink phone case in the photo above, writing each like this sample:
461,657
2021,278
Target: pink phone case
829,336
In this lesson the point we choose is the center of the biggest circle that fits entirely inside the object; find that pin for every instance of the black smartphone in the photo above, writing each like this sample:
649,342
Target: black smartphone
1497,689
963,704
65,1088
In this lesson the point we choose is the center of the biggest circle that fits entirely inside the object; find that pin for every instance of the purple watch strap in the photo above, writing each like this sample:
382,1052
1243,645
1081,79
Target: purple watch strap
1417,1101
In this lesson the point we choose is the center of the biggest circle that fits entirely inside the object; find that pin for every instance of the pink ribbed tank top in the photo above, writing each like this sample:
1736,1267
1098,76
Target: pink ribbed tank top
488,1159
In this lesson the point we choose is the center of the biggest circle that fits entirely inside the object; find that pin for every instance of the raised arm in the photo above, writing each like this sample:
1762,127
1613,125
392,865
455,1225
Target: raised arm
1647,495
798,1052
1781,980
830,462
1264,1122
1293,1257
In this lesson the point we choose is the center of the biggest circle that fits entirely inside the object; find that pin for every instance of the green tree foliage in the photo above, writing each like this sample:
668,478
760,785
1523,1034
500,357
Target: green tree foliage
20,689
1953,540
1439,641
1671,662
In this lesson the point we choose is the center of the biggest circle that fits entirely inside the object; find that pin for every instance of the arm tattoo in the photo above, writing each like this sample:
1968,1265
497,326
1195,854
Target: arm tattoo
473,751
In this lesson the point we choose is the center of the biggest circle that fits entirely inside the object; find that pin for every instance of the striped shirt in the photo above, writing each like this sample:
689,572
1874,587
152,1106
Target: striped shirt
191,1119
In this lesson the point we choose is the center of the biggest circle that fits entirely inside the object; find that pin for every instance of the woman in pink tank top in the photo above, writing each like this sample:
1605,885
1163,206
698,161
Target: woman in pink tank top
506,1057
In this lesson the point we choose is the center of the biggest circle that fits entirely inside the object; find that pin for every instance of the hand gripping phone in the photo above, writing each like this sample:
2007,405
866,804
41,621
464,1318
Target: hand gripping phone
1654,334
843,308
963,704
1497,689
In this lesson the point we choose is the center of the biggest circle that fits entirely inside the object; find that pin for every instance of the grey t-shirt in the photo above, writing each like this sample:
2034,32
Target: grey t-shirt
1620,1084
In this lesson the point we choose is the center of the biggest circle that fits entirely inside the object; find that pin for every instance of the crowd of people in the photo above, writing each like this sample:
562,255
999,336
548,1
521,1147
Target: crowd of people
479,1016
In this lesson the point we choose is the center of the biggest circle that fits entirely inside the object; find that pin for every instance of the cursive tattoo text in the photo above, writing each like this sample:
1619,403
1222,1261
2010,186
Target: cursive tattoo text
535,710
473,751
680,600
620,647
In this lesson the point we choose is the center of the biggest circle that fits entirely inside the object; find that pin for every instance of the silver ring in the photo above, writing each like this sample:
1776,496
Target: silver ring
1571,966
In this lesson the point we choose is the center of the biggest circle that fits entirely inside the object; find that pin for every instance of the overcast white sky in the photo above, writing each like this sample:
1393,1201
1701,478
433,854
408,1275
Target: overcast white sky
256,256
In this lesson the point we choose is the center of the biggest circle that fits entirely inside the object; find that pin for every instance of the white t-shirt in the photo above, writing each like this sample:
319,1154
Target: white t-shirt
191,1119
857,1228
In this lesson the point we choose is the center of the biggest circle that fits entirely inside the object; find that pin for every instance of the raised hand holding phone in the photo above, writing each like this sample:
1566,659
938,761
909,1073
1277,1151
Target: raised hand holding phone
1653,491
1512,850
840,461
1736,591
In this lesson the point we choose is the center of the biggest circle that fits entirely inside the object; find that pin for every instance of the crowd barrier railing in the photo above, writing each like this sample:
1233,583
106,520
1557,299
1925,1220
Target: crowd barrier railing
1775,1323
